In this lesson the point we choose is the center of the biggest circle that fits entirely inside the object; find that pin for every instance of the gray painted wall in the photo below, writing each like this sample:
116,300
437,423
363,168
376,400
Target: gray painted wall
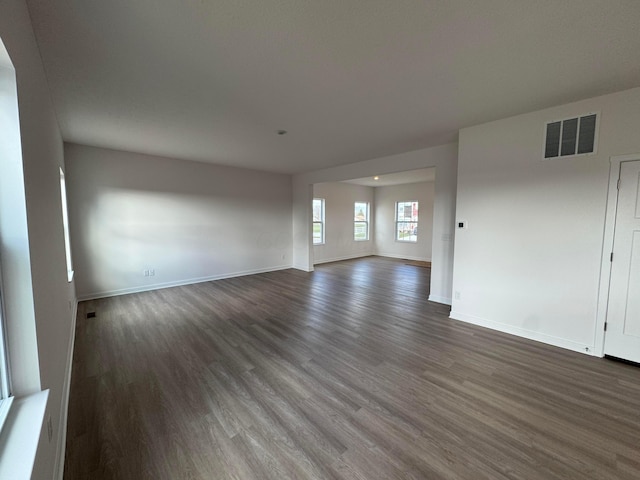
186,221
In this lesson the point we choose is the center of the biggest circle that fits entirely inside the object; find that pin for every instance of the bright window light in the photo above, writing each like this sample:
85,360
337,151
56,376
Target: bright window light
318,221
407,221
361,221
65,224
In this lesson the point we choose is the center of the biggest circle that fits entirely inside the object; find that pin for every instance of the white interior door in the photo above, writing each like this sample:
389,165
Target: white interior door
622,337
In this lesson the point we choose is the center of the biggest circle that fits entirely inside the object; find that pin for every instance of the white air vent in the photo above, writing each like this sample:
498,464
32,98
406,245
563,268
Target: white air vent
573,136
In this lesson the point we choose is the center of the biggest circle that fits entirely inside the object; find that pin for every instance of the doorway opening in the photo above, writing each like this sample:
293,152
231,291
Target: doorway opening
385,215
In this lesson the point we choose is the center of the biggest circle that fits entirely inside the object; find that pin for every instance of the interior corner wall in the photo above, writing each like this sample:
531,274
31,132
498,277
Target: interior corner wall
444,158
185,221
49,295
385,225
301,227
529,261
339,211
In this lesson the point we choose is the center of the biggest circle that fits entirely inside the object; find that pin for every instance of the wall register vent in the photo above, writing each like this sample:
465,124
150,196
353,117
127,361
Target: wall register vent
573,136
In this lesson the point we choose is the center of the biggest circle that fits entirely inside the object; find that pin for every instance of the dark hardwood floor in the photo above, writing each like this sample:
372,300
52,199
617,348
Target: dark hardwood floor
347,372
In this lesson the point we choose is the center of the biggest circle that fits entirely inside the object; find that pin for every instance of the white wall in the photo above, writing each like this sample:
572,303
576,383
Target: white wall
46,298
385,202
529,262
339,212
444,158
188,221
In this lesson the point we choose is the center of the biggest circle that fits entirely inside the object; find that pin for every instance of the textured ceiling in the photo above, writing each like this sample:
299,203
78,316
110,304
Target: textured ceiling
349,79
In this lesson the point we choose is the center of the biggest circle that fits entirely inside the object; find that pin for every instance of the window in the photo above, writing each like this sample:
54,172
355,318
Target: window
407,221
318,221
361,221
65,224
19,365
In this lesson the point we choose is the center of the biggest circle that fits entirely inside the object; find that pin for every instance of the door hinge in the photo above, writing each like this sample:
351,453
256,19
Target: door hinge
605,326
611,258
618,185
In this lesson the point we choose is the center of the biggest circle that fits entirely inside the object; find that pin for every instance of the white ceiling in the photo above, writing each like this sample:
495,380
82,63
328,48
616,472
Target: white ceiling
349,79
400,178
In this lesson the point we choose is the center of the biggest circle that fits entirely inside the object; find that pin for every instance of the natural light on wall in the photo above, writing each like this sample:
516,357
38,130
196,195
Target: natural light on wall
65,222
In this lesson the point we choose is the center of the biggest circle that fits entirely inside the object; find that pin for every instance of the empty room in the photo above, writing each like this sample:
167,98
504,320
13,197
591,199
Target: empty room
319,240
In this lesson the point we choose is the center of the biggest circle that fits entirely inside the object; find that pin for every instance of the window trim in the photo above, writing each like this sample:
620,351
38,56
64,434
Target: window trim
6,399
366,221
21,432
413,222
8,105
320,222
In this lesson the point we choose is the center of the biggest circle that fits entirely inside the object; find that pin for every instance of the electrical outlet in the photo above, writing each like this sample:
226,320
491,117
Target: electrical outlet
152,272
49,429
145,273
457,295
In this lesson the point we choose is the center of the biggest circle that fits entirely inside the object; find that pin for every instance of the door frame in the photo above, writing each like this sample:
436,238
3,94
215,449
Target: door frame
607,248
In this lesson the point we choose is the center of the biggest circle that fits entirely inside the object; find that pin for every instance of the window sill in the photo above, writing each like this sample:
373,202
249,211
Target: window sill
20,435
5,406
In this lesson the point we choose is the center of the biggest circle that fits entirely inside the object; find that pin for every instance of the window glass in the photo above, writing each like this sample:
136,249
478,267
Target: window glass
361,221
407,221
318,221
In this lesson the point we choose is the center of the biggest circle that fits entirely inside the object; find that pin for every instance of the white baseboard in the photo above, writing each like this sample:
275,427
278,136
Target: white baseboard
344,257
177,283
64,413
304,268
439,299
403,257
522,332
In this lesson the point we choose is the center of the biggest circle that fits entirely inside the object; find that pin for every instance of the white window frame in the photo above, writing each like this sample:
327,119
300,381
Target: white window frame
11,138
414,223
65,225
320,222
20,366
365,221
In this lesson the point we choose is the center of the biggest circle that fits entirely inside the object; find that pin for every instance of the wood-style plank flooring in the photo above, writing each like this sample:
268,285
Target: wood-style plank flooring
345,373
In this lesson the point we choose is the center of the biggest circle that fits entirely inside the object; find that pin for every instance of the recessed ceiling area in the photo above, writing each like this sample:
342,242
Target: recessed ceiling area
212,81
400,178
